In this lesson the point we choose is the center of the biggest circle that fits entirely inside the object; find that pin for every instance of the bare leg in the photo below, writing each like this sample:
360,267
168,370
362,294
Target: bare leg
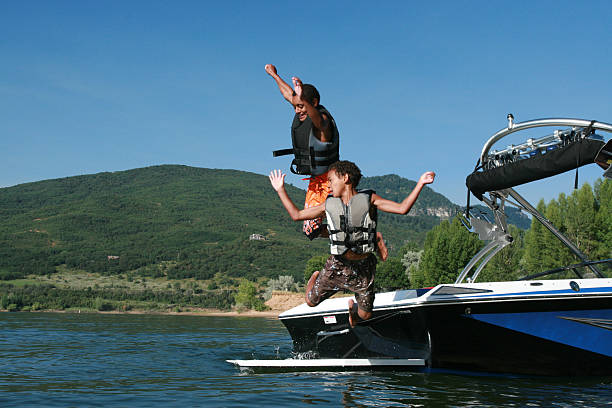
309,286
353,317
356,314
381,247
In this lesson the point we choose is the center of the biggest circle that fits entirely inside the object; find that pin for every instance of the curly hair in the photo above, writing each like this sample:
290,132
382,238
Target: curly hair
343,167
310,93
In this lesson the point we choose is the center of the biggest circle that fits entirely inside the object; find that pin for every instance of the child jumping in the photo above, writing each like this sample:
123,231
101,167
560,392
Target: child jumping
315,142
351,222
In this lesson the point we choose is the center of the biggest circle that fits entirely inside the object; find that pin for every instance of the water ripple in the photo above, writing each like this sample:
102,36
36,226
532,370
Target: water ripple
139,360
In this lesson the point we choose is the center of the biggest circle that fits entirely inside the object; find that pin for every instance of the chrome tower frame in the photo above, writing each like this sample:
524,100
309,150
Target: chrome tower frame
497,232
576,124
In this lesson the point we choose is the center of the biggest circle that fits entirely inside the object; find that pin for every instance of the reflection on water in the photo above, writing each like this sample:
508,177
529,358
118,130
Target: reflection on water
52,359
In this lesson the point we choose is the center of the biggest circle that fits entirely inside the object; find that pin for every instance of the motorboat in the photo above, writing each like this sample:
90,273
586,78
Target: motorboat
538,325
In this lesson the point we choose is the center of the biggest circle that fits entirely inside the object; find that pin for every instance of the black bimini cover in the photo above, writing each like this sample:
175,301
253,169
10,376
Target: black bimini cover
534,168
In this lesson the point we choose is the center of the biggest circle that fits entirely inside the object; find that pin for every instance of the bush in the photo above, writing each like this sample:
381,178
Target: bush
40,297
8,275
284,283
103,306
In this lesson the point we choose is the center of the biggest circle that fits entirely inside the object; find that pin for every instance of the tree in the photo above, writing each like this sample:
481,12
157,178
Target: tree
535,244
448,248
580,219
391,275
506,264
316,263
411,261
553,252
603,220
284,283
247,297
583,217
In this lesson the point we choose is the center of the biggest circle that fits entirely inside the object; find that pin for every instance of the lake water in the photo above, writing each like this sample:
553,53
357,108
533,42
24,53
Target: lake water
54,359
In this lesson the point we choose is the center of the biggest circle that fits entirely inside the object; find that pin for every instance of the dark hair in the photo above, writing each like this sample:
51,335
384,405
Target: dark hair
310,93
343,167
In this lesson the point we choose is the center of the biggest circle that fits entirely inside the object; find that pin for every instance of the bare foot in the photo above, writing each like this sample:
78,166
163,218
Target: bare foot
309,286
381,247
353,314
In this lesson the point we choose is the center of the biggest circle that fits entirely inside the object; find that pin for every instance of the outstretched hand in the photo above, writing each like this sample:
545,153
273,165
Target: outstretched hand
270,69
277,179
297,86
427,177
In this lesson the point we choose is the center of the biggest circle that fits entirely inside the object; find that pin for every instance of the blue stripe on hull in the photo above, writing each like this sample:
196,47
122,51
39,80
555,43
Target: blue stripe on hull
586,329
596,290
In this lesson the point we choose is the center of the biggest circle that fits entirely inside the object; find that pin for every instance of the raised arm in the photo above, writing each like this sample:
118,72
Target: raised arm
285,88
277,179
319,121
405,206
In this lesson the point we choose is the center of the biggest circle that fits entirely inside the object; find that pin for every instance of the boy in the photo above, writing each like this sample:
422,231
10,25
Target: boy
351,219
315,139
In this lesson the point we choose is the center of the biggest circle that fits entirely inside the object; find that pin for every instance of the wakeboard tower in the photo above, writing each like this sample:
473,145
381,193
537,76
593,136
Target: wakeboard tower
536,325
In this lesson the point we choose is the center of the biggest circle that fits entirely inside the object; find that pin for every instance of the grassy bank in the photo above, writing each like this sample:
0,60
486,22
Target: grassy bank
77,291
74,290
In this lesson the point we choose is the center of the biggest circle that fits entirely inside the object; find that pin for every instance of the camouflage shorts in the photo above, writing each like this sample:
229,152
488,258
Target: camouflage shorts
341,274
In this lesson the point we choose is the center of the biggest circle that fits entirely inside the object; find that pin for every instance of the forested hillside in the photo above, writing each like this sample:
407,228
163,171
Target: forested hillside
175,221
583,216
430,208
197,222
112,241
396,188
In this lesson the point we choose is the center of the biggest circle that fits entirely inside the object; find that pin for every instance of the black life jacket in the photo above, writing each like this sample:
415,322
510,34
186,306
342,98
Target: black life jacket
352,226
312,156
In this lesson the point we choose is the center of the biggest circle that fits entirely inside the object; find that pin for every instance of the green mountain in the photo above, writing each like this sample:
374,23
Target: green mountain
430,203
179,222
168,220
396,188
429,209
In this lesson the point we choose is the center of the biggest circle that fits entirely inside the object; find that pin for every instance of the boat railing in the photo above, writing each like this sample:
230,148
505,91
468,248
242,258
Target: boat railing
574,268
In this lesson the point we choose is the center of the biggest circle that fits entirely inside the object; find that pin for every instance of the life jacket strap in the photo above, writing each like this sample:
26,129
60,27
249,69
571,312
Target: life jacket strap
305,153
282,152
307,162
350,230
312,157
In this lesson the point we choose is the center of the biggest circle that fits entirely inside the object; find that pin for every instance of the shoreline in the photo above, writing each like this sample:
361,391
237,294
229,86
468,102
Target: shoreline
207,312
277,304
204,312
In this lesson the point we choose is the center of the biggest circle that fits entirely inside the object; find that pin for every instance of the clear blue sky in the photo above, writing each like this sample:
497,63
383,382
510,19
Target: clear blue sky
92,86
